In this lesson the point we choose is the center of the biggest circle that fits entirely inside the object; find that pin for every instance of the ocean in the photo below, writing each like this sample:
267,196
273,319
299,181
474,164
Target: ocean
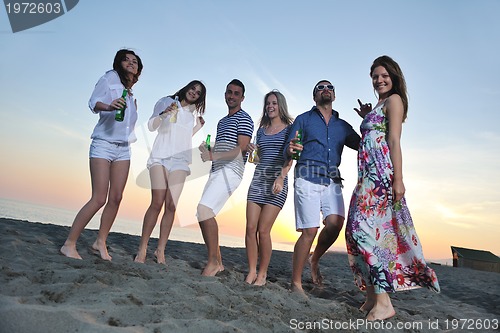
31,212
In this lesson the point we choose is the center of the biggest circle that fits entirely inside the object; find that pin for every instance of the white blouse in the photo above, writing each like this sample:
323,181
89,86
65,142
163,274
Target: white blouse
174,140
107,89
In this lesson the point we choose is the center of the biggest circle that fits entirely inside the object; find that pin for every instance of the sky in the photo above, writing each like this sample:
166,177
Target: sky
448,51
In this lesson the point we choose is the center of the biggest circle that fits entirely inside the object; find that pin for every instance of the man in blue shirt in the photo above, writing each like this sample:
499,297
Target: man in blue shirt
317,184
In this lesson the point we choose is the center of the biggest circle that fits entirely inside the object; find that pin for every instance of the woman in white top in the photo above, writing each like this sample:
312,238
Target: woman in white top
176,118
109,151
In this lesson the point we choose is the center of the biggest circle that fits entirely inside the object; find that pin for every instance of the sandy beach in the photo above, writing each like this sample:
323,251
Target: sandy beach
43,291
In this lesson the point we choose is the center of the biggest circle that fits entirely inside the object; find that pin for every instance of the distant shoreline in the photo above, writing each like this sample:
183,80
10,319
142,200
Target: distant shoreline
34,212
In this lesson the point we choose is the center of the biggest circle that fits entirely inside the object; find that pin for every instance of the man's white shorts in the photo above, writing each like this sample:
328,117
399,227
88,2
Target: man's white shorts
220,185
310,199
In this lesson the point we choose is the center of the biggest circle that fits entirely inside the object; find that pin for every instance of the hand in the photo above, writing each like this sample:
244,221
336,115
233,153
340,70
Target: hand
203,147
206,155
278,185
251,147
398,190
364,109
294,146
117,104
168,111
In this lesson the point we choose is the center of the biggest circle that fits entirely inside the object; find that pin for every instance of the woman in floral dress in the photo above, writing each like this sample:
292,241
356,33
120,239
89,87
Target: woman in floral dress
385,253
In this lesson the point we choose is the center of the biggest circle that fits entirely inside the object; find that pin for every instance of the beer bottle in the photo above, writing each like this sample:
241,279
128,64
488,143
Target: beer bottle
173,117
296,154
254,155
207,142
120,114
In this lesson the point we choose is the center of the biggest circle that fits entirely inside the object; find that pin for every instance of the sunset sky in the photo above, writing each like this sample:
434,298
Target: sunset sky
448,51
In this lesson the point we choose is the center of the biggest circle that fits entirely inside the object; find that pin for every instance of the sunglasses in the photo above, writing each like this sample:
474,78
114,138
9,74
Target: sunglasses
325,86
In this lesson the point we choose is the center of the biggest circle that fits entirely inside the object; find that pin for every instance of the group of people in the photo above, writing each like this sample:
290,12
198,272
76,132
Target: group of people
384,251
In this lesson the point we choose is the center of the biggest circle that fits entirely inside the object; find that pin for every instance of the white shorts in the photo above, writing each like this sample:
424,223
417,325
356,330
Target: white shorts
109,151
310,199
220,185
171,164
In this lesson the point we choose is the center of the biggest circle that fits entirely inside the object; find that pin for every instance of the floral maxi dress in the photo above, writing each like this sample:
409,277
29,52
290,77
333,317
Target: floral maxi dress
382,245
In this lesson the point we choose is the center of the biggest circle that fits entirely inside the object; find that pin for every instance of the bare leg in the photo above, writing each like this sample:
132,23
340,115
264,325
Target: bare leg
150,218
251,241
99,174
117,180
267,217
210,232
370,299
158,195
382,309
327,236
175,182
300,254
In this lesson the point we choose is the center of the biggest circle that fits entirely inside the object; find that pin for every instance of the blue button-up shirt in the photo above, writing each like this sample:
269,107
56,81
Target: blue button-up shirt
323,145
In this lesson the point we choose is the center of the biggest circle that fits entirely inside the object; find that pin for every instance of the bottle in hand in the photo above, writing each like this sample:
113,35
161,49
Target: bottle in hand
207,142
175,107
254,155
296,154
120,114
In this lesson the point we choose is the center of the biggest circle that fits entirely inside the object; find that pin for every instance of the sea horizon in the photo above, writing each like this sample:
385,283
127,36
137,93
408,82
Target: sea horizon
35,212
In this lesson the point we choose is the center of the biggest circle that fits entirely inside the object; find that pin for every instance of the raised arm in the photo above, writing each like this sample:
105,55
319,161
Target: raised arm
364,109
199,124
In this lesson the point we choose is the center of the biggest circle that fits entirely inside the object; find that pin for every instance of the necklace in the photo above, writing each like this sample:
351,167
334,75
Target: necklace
275,129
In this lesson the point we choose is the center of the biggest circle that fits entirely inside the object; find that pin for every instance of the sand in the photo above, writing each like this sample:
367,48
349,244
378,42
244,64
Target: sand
43,291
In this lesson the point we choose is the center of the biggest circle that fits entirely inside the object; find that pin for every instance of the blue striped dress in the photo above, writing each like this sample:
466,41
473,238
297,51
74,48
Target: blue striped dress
269,168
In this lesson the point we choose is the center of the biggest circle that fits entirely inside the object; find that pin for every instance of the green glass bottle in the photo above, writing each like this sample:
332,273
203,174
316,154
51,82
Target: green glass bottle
296,154
120,114
207,142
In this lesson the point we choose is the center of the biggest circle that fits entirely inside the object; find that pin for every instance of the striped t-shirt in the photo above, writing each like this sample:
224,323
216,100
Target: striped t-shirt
228,130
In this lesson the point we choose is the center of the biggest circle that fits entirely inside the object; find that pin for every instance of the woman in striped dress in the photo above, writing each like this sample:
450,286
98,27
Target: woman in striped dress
269,187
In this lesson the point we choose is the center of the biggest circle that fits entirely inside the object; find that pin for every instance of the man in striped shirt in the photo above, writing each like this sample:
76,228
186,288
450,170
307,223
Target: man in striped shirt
228,157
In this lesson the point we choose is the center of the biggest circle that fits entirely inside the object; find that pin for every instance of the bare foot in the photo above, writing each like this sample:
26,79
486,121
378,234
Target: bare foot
70,252
140,257
102,249
297,289
367,306
316,276
160,257
380,313
212,268
251,277
260,281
